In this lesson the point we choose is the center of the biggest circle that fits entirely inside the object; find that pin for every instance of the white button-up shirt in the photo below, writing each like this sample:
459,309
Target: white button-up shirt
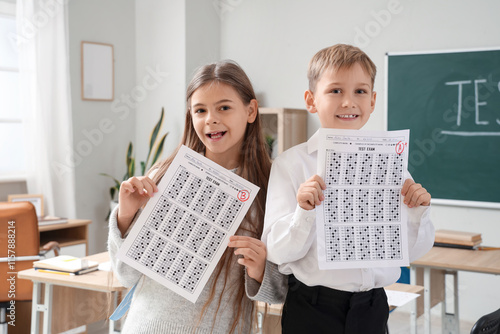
290,231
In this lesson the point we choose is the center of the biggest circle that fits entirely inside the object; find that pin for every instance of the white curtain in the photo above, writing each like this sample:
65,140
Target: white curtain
42,37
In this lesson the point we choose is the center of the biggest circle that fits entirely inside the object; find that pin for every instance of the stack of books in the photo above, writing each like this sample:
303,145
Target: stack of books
457,239
65,265
49,220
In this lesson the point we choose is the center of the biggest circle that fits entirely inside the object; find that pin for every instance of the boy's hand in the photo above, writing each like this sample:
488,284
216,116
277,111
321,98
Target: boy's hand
254,255
414,194
310,193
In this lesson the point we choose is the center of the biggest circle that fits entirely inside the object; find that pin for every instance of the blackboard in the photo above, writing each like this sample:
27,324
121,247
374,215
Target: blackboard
450,101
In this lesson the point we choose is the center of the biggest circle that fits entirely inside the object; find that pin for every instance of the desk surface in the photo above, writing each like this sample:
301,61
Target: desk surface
97,280
61,226
461,259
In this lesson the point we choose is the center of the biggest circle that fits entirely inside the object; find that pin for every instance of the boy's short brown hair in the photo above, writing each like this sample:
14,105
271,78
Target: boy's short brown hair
336,57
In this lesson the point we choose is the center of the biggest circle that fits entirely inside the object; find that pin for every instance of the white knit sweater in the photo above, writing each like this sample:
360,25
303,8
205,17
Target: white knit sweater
156,309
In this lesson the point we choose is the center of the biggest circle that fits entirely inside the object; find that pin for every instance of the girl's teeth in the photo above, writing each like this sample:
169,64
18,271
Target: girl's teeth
216,135
347,116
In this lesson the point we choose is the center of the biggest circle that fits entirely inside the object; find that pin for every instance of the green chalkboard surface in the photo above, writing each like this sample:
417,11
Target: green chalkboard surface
450,101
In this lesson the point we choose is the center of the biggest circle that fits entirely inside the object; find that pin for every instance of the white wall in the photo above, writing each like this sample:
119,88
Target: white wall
274,40
160,35
175,37
111,22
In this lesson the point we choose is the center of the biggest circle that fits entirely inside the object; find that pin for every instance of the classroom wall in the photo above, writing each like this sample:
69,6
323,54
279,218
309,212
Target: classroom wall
274,40
102,149
175,37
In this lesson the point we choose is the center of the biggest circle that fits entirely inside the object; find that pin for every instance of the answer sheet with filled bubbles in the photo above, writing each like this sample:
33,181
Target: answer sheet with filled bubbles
362,221
185,227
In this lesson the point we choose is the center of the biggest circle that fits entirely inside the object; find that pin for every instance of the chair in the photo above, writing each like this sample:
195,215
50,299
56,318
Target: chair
487,324
19,247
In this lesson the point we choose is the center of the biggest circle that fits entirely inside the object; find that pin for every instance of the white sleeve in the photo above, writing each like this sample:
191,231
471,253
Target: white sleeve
420,232
287,227
420,229
126,275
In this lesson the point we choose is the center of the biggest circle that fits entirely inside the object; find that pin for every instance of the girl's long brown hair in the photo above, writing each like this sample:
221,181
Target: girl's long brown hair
254,165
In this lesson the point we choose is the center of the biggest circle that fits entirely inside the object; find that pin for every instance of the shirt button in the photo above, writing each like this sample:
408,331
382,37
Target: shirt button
309,219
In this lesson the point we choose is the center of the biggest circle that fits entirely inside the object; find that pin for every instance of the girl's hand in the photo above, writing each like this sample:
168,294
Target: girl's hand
414,194
134,193
310,193
254,255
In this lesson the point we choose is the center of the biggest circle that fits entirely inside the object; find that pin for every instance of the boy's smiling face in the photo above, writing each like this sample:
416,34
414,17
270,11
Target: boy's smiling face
343,99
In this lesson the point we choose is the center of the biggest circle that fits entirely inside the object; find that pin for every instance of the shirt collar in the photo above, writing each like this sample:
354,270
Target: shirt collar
313,142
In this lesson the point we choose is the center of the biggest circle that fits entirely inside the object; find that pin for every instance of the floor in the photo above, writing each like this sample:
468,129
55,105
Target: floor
399,323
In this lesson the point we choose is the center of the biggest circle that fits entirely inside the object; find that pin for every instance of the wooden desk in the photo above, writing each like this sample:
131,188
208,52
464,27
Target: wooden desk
74,232
274,311
74,300
452,260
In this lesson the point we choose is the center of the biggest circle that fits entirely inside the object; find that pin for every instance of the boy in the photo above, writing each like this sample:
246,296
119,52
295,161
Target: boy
341,80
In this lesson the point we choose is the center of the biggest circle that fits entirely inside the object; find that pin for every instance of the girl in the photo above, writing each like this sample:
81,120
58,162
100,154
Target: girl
222,122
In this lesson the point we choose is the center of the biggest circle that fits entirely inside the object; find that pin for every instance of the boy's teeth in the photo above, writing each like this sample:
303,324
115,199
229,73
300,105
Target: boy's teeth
347,116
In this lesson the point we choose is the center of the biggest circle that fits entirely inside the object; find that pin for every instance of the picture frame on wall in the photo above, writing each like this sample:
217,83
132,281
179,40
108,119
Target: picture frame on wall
36,200
97,68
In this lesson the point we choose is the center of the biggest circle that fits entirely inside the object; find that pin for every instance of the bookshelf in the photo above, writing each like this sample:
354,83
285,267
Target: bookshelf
288,127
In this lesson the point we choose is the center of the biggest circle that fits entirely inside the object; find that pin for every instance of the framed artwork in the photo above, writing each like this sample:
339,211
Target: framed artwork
98,80
36,200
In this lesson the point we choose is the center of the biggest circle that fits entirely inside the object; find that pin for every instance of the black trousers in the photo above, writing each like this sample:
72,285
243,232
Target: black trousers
318,310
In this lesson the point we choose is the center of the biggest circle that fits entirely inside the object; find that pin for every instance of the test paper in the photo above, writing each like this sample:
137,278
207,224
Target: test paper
362,222
185,227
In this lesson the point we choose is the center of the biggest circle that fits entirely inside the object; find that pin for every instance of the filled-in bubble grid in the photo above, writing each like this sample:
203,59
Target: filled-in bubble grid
332,237
203,197
172,220
153,252
333,167
184,228
166,259
393,235
193,275
179,267
215,205
211,243
178,181
158,214
363,243
229,213
200,232
190,190
140,244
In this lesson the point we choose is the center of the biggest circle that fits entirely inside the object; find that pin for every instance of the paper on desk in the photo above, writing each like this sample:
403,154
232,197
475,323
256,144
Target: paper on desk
399,298
105,266
362,221
184,229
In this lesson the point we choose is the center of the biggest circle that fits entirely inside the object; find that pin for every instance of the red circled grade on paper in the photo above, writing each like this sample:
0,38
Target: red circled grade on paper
400,147
243,195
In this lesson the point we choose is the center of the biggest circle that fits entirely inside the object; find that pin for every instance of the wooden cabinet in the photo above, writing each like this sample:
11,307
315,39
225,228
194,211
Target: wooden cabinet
74,232
288,127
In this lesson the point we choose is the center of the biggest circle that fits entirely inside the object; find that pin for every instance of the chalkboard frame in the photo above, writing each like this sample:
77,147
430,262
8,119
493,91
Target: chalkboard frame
438,201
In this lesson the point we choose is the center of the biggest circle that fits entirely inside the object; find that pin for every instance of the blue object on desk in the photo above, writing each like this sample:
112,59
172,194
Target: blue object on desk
405,275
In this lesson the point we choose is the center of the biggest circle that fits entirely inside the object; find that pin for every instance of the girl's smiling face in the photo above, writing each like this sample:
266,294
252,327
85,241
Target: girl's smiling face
220,119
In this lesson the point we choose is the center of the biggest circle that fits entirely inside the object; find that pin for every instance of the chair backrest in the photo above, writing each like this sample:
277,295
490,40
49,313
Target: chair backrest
19,236
487,324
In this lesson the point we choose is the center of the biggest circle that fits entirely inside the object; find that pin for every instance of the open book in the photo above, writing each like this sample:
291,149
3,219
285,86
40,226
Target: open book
66,263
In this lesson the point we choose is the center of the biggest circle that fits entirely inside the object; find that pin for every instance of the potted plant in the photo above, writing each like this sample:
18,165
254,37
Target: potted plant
154,153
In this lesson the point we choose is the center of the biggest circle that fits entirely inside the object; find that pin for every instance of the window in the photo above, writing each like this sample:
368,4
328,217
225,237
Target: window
12,148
